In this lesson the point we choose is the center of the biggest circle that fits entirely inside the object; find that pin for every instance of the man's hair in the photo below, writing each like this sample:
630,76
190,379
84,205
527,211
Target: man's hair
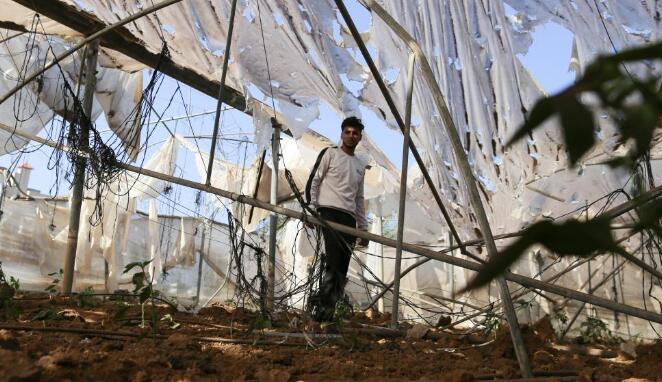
352,122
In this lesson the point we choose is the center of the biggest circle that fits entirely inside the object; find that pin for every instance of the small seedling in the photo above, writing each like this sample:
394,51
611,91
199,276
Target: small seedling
54,286
10,309
144,289
14,283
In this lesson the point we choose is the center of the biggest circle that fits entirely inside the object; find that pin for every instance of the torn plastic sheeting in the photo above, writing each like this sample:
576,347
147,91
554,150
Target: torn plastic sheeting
163,161
24,111
117,93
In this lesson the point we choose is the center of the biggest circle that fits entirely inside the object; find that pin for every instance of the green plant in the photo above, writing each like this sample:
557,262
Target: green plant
48,313
14,283
54,286
595,330
635,107
10,310
85,299
143,287
562,319
120,309
492,323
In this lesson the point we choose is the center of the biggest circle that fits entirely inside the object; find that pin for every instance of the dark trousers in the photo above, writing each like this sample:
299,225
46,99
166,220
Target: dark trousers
338,248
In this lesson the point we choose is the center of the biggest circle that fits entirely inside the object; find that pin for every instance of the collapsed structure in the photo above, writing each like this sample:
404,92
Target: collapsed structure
288,59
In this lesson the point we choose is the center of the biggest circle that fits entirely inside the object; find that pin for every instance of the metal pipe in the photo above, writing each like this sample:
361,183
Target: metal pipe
257,184
380,252
219,105
201,260
85,41
403,192
80,164
273,218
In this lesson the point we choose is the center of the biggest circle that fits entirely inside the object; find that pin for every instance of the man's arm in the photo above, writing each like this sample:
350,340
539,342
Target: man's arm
316,183
361,221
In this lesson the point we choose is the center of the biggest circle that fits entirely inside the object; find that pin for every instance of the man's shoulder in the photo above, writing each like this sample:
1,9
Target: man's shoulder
329,151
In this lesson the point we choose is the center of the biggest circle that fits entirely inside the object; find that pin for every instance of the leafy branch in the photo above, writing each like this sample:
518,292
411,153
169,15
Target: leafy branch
635,106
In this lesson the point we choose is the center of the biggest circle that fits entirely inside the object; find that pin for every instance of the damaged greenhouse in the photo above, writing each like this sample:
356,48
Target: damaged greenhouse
158,157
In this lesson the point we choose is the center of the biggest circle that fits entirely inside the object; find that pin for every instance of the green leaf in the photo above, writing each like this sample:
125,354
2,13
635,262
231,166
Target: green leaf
649,217
542,110
639,122
130,266
578,128
139,264
572,237
646,52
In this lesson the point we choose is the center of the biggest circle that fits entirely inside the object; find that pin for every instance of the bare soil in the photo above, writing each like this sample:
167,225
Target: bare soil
199,348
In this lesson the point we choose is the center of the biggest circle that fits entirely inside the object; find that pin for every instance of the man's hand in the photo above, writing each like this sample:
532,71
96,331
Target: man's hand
363,242
308,223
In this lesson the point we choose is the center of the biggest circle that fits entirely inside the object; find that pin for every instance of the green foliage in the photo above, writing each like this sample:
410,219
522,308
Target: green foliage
492,323
595,330
144,289
121,308
562,319
10,310
47,314
635,107
54,286
634,104
85,299
572,237
14,283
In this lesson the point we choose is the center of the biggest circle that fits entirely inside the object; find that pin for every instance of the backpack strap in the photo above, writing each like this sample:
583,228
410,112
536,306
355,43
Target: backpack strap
313,172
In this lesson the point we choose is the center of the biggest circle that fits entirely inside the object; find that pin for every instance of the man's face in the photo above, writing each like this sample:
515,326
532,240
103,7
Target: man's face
350,136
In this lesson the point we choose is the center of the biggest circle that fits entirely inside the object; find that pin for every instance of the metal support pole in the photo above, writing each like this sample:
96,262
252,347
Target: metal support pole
257,184
461,160
90,62
450,245
403,192
380,249
201,260
219,105
273,217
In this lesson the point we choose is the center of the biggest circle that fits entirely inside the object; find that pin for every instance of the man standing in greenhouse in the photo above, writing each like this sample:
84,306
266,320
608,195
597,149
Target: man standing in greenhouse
336,192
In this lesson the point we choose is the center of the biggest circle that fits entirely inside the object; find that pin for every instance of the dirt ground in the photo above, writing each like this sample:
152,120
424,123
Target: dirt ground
223,344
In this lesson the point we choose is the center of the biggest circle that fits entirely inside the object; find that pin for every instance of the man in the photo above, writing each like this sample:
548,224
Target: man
336,191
